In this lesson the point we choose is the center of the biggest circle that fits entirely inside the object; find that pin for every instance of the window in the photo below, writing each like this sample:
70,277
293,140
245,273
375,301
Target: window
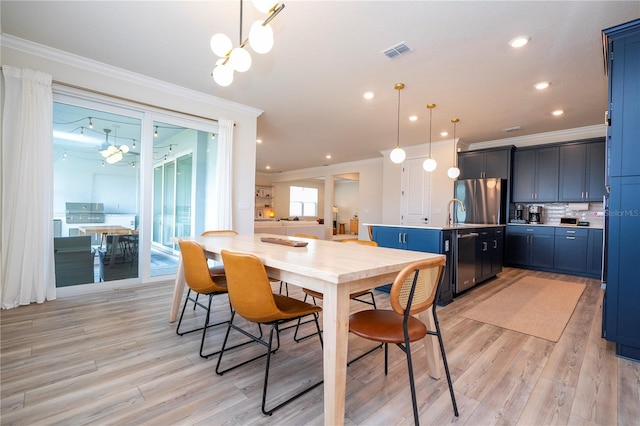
303,201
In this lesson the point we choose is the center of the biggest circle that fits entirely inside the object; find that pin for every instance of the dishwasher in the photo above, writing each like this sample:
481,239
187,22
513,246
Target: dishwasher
465,260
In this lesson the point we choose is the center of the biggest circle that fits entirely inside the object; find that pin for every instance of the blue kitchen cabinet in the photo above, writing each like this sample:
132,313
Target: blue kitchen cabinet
621,317
483,164
570,252
530,246
416,239
489,253
594,253
535,175
582,167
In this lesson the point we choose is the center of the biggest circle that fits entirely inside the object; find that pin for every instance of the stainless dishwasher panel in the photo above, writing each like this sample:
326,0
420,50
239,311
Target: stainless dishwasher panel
465,261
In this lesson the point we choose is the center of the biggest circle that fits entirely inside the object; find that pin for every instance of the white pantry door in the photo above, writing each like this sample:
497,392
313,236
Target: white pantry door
416,193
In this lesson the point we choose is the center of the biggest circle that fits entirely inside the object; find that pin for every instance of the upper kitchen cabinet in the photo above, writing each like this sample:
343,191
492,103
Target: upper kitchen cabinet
623,48
582,168
482,164
535,175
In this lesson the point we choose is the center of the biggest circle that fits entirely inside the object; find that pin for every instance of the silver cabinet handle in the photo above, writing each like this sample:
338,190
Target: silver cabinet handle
571,238
400,237
495,244
586,195
484,246
571,232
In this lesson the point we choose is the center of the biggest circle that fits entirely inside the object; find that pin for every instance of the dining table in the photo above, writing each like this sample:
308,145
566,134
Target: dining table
334,269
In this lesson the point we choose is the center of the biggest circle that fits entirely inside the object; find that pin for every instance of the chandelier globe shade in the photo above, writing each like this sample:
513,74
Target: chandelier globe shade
240,59
222,73
265,6
261,37
398,155
221,44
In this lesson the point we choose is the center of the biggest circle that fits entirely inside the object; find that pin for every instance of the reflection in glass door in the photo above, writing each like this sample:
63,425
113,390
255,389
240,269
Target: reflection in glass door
184,169
96,194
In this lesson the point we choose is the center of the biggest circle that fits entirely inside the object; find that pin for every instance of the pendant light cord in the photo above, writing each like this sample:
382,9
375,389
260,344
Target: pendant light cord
430,118
398,133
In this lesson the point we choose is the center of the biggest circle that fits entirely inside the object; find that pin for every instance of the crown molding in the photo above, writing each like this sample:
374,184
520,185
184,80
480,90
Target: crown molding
43,51
598,130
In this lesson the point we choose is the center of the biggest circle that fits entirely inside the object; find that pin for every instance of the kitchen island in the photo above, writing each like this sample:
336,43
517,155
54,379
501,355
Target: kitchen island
474,252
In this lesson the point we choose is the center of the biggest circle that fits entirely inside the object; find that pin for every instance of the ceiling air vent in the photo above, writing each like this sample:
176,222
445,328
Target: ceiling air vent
397,50
512,129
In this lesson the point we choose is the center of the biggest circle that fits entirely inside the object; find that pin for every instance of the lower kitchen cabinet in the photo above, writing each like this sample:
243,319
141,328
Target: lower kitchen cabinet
530,246
489,253
565,250
571,249
417,239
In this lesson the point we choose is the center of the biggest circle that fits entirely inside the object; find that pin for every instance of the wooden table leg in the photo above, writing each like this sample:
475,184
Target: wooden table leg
335,314
178,289
431,346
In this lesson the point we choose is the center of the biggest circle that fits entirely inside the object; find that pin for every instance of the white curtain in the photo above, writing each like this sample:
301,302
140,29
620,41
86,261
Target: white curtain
27,268
223,182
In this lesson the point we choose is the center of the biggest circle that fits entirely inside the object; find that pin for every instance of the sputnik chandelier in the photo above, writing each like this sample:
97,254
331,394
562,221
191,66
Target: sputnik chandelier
113,153
238,59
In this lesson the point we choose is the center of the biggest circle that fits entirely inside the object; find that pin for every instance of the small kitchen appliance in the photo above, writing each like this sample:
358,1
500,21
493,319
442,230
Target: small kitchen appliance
535,214
519,212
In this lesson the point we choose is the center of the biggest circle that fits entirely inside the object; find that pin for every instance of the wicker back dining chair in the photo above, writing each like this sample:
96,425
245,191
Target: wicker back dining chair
414,290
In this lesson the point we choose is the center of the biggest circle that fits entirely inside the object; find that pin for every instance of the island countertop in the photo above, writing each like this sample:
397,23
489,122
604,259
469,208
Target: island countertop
441,228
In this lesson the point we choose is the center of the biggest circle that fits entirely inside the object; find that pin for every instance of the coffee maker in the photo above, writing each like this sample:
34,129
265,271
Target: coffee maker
519,212
535,214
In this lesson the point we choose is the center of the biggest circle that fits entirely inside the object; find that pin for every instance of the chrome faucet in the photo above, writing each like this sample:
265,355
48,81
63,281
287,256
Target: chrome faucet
450,213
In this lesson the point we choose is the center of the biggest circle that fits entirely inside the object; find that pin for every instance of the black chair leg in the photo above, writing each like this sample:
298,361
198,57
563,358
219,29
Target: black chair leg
386,358
446,368
412,383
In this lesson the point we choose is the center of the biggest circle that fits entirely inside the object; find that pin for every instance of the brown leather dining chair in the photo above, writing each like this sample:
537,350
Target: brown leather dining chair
252,298
199,280
415,289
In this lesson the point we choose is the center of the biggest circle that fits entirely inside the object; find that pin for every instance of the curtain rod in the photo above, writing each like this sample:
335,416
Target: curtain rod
122,98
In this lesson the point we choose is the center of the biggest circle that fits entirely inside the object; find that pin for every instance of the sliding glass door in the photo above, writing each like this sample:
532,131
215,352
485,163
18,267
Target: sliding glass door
107,228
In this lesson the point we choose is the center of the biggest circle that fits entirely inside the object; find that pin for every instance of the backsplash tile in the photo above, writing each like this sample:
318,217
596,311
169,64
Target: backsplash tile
552,212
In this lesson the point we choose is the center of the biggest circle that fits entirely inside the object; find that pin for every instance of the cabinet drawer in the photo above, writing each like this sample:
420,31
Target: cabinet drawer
530,230
572,232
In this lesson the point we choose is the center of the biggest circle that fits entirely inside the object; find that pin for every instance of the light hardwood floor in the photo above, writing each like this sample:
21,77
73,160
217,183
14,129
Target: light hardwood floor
113,358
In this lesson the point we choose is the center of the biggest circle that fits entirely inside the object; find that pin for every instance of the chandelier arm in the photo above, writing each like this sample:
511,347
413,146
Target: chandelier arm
275,12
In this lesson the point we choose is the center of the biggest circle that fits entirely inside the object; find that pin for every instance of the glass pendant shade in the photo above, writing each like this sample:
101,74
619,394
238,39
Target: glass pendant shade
124,149
221,44
261,37
264,6
223,74
240,59
453,172
397,155
429,165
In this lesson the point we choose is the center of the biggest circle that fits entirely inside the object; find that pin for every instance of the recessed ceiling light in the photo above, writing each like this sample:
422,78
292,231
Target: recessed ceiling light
258,140
413,118
368,95
444,134
519,41
542,85
557,112
328,156
268,167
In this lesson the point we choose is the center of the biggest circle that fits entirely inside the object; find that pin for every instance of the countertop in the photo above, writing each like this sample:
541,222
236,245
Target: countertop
556,225
441,228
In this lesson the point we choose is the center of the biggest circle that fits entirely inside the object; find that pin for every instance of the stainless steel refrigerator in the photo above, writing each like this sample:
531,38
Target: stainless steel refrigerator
484,201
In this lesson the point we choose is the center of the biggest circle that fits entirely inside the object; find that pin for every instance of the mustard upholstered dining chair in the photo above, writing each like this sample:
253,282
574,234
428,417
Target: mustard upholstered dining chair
251,297
415,289
355,296
199,280
284,284
216,269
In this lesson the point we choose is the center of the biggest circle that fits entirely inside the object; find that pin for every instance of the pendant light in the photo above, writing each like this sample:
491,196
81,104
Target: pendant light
397,154
454,171
430,164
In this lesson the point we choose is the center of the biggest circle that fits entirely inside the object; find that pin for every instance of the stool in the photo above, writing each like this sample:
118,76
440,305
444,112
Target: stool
342,231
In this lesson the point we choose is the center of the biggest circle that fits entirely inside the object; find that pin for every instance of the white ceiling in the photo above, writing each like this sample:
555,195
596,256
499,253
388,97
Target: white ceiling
328,53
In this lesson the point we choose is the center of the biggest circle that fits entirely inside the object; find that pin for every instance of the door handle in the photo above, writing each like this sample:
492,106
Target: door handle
404,238
484,246
399,237
495,244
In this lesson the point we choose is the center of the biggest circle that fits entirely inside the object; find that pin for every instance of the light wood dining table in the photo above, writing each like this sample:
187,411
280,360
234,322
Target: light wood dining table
334,269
